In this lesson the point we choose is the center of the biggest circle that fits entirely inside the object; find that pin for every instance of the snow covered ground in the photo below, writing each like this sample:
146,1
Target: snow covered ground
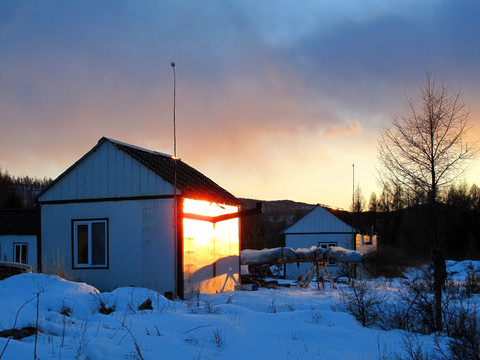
282,323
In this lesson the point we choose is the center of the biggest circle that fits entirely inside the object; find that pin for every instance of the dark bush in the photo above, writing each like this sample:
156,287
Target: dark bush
472,282
362,301
386,262
466,343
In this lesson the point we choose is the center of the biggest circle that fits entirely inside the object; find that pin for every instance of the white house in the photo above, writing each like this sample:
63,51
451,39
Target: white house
326,227
114,219
18,235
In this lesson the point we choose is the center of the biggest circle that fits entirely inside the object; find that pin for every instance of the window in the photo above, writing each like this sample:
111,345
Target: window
20,253
326,245
90,243
366,239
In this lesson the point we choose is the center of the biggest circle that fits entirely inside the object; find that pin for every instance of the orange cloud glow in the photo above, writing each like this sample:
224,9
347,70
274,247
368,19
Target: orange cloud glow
270,109
334,131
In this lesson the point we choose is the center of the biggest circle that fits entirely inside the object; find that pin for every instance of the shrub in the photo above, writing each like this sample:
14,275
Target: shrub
386,262
419,303
347,270
472,282
394,316
466,344
360,300
218,338
413,349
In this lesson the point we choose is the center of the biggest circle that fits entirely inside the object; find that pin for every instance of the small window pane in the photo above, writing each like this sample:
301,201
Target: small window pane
82,243
98,243
24,253
17,253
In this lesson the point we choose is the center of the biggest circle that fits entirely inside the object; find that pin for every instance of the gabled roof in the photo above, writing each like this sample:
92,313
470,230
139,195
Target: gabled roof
346,218
191,183
19,222
319,219
355,220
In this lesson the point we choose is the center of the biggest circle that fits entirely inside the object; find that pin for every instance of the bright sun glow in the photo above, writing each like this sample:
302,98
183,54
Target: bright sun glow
200,207
211,251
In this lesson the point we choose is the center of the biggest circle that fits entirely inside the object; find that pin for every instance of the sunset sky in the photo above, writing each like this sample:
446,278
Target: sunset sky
275,99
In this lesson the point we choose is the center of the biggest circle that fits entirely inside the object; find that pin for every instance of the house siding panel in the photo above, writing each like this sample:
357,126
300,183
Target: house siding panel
318,226
158,245
138,249
112,180
107,173
7,248
318,220
127,161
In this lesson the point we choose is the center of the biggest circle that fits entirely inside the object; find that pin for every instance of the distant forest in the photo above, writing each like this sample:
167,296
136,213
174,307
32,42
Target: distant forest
20,192
399,218
396,216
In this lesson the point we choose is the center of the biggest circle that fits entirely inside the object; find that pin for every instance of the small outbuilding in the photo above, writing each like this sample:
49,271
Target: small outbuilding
127,216
19,229
325,227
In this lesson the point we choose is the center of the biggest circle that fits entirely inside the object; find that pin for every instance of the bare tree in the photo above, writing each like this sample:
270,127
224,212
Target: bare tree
373,202
358,204
426,149
474,194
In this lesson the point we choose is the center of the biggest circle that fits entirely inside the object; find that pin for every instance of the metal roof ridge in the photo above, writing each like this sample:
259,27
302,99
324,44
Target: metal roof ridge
136,147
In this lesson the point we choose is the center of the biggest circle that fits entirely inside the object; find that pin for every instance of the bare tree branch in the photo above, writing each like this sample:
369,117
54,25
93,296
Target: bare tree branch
426,148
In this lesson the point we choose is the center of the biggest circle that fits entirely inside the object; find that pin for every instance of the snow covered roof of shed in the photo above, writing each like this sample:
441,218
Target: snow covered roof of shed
191,183
347,218
324,219
19,222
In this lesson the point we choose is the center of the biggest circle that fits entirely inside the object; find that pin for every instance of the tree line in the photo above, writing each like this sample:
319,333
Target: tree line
18,192
401,220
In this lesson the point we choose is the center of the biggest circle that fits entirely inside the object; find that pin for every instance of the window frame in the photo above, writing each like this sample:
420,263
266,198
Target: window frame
325,245
370,240
20,244
89,222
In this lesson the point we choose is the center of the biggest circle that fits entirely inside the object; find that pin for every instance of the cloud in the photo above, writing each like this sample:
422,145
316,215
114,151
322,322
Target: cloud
335,131
380,55
266,94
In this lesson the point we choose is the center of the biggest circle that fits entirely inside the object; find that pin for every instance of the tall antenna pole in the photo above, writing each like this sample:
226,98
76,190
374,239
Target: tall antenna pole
354,240
172,64
177,247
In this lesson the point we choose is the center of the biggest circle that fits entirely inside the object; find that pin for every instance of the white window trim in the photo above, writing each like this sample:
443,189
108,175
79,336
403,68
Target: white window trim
89,265
20,244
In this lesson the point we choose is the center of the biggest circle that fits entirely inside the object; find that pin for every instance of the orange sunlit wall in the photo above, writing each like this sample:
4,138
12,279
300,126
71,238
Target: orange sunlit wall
210,250
365,243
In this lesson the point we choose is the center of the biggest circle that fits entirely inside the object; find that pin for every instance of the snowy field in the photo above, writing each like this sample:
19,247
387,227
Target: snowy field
282,323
